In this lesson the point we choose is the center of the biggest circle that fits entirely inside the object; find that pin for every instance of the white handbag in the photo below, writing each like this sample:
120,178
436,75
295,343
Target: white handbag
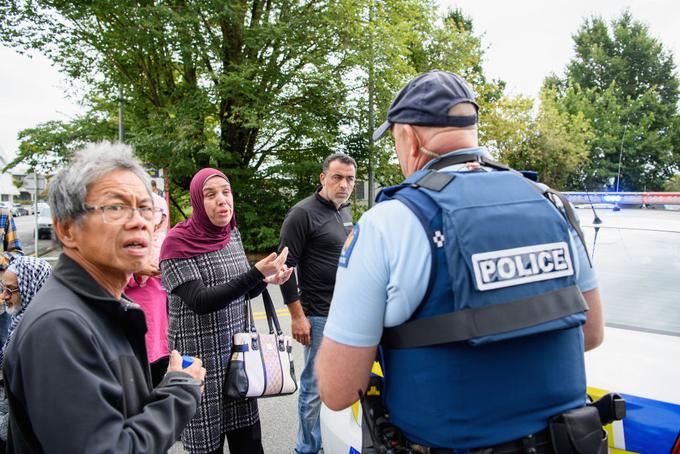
261,365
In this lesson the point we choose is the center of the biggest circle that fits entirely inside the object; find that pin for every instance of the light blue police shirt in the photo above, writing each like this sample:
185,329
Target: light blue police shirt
387,272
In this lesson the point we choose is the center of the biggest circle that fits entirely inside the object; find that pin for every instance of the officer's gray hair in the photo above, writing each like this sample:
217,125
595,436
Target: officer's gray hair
342,157
68,189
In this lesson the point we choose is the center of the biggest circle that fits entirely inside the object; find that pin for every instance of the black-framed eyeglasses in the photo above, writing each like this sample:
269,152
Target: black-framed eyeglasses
11,290
119,213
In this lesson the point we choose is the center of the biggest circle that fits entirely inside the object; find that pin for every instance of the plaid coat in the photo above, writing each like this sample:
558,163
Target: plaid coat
209,337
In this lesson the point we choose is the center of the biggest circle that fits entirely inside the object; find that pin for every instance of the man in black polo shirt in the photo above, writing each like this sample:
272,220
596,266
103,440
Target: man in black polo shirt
315,230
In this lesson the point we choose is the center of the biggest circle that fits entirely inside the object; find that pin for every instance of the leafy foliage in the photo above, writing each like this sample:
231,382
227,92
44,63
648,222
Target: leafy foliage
263,90
673,184
624,83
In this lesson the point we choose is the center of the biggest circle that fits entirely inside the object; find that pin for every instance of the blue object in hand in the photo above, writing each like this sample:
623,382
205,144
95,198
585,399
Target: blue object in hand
186,361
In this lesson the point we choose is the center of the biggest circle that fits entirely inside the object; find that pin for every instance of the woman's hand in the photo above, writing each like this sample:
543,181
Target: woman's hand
273,264
281,277
151,270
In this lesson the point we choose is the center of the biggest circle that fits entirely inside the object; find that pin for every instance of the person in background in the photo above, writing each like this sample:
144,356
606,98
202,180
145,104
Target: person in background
161,229
76,371
145,289
314,231
154,188
11,248
207,276
20,283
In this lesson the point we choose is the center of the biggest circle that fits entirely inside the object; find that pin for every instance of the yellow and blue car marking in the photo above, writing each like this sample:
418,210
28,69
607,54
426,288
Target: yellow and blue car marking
650,426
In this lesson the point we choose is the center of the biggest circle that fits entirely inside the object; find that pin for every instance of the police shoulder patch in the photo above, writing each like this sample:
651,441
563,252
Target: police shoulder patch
349,245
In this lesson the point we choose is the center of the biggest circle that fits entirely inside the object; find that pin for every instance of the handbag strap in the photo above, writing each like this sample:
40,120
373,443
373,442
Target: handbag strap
250,327
271,313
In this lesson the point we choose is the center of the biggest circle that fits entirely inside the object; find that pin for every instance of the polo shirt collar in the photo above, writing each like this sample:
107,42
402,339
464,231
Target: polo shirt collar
328,203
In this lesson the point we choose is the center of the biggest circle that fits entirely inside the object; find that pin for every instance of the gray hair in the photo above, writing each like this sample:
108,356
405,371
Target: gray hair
342,157
68,189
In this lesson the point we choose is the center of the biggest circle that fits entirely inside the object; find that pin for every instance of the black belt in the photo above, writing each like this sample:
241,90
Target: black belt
538,443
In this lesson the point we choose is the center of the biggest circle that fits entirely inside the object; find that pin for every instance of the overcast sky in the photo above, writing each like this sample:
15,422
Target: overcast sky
528,39
525,40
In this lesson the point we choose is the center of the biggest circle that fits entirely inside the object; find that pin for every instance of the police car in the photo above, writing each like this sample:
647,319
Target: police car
636,253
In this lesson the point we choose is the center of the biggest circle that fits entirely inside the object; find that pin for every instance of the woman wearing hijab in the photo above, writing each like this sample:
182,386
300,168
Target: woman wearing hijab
20,283
207,277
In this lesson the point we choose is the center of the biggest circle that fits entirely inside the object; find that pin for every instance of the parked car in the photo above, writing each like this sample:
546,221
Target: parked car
45,223
6,205
19,211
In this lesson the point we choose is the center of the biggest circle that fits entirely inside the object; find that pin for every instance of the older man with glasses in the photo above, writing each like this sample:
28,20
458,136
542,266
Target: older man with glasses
77,370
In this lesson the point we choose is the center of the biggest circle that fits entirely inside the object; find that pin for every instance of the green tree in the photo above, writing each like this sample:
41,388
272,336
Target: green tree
672,184
505,127
257,88
624,83
263,90
557,147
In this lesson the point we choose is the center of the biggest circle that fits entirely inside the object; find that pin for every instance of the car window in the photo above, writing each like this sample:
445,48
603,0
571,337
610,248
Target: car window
636,253
45,213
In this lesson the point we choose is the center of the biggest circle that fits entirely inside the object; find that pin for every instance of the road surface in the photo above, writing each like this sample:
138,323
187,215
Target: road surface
25,230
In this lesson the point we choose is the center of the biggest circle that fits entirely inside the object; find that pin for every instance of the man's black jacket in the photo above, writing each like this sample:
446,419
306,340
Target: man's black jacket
78,378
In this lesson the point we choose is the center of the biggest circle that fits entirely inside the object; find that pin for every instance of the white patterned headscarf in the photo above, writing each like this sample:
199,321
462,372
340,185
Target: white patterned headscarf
32,273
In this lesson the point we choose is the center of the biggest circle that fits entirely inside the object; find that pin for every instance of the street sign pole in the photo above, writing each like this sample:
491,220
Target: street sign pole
35,212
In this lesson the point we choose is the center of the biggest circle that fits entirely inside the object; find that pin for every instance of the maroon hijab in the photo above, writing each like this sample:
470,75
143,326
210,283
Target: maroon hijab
197,235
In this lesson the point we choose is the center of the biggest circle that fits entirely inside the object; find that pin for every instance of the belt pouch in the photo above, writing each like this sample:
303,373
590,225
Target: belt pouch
578,431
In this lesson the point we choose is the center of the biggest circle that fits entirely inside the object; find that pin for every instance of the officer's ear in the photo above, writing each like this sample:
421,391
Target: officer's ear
411,140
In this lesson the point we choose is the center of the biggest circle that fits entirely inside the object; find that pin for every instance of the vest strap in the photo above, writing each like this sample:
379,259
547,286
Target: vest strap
485,321
434,181
571,218
568,212
465,158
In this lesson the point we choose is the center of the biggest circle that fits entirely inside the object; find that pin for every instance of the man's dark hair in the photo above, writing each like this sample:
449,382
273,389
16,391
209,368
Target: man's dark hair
342,157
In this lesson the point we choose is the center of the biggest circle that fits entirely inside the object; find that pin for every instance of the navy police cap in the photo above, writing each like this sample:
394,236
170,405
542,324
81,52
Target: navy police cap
426,101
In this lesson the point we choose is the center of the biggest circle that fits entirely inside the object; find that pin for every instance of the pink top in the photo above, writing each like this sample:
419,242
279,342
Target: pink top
151,298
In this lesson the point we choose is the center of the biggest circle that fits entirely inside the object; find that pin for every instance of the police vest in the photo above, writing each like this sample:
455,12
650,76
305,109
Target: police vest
495,348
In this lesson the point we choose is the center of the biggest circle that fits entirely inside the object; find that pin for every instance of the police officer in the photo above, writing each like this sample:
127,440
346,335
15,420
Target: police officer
474,239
